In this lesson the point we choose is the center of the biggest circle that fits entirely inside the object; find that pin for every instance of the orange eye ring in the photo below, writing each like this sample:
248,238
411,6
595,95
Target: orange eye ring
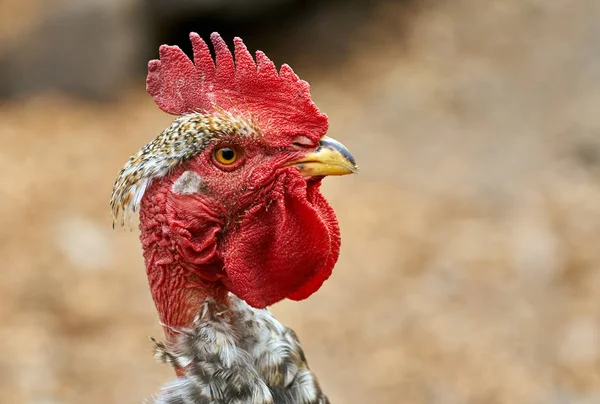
226,155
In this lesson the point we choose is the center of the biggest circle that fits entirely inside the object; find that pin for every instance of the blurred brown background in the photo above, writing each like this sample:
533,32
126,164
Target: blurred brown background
470,256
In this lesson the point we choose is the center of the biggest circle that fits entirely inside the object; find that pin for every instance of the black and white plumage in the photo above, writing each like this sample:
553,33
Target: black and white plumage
238,355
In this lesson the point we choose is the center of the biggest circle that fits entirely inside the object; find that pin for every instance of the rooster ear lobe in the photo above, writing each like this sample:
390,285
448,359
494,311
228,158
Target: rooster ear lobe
188,183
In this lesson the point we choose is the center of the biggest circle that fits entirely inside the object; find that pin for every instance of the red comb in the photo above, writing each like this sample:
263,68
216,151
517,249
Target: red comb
278,102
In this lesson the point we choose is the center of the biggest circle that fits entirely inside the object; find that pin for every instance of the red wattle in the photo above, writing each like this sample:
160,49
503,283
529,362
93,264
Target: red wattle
327,215
285,246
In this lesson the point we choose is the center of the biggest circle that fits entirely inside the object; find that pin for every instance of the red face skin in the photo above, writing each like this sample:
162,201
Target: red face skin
258,229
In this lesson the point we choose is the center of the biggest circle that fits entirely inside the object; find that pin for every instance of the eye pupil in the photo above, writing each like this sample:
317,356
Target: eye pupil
227,154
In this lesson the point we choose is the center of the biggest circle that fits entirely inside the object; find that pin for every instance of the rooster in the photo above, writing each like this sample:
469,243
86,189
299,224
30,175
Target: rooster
232,220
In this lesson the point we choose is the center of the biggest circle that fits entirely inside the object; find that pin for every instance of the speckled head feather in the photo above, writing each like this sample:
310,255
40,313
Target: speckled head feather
214,97
187,136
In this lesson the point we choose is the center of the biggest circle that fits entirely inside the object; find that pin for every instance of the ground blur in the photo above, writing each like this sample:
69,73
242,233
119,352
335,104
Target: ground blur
470,257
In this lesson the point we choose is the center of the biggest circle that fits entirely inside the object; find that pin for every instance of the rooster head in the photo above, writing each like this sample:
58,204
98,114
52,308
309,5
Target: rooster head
228,195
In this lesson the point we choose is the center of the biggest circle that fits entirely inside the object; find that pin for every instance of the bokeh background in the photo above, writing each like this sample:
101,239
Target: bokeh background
469,270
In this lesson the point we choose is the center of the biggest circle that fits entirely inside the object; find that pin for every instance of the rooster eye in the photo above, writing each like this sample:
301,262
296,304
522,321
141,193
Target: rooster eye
226,155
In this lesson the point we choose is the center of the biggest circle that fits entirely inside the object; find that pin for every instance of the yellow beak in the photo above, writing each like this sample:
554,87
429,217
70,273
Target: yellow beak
330,158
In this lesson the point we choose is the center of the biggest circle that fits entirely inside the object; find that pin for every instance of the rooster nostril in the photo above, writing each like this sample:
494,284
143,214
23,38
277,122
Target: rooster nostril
302,142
